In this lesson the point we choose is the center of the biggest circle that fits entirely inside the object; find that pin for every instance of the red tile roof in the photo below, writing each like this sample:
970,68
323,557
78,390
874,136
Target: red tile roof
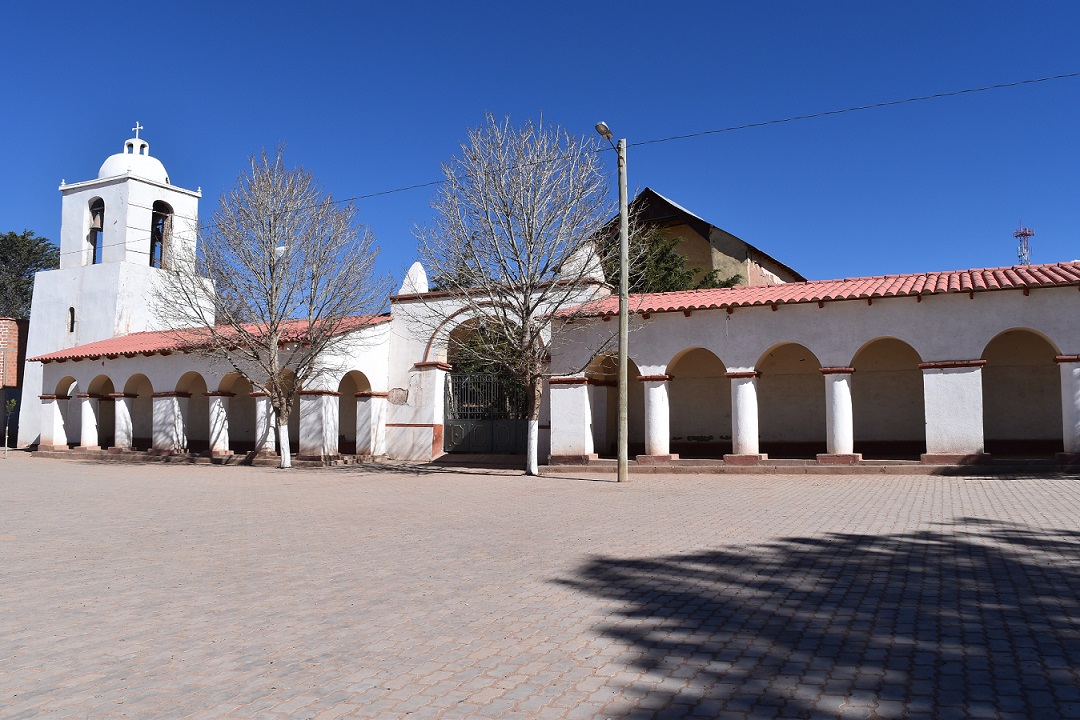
166,341
878,286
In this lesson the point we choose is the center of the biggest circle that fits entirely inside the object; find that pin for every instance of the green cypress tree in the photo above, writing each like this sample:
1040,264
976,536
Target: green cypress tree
22,255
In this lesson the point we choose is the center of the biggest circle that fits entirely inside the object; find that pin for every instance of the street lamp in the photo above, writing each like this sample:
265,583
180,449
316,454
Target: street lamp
624,252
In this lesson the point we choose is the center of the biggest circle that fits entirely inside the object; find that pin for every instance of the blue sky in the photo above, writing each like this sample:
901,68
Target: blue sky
374,96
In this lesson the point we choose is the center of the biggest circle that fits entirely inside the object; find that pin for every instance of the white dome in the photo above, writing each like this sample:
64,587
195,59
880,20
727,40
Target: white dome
135,160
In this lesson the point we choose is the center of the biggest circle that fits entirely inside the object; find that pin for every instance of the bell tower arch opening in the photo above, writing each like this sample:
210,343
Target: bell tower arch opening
95,233
161,222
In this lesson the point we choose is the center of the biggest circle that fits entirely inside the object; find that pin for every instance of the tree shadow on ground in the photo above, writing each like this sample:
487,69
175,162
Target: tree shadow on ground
974,618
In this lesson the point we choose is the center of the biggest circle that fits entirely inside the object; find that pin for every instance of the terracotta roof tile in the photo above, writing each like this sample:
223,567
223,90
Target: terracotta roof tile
165,341
978,280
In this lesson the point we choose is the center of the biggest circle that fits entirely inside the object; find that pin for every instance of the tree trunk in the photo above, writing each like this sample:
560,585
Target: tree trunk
283,443
536,387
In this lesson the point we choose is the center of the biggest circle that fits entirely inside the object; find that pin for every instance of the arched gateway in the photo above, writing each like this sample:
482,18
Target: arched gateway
485,405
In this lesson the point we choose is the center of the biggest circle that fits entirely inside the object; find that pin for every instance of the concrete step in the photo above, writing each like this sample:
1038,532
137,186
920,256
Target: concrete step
779,466
1063,464
142,456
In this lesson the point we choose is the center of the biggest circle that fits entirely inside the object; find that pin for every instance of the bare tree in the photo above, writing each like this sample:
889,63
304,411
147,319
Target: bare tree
514,241
9,412
291,273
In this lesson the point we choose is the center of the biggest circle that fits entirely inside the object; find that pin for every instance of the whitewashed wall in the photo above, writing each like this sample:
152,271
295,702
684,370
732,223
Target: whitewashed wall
937,328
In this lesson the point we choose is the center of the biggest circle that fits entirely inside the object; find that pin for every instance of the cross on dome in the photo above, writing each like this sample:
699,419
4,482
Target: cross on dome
134,160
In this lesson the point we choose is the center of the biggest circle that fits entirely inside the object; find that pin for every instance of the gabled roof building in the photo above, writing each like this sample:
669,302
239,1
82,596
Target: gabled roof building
707,247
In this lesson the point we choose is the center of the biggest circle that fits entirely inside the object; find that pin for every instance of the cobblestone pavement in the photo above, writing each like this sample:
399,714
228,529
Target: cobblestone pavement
206,592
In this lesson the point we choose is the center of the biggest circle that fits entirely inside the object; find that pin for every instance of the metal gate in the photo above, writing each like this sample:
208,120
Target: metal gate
485,413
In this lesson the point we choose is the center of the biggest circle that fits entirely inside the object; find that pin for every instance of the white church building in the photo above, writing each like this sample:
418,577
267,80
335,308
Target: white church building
943,367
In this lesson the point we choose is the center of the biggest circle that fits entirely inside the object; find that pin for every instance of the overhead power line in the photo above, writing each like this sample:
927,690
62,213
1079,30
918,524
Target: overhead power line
391,192
872,106
762,123
778,121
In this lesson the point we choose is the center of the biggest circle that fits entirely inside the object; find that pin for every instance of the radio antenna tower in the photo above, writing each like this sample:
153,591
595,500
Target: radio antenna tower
1024,251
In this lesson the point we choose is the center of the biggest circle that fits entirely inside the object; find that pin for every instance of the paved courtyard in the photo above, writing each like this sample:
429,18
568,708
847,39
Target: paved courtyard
380,592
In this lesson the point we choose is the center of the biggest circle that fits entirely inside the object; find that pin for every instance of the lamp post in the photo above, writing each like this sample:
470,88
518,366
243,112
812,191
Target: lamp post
624,252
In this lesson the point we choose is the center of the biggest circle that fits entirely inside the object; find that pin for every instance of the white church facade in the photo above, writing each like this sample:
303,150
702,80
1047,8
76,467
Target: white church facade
946,367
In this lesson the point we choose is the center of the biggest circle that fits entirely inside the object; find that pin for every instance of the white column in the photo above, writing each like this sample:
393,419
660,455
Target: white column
265,436
123,430
168,423
1070,401
53,436
415,417
571,420
318,423
183,419
219,422
364,434
371,423
431,404
952,396
744,416
839,422
378,423
657,416
88,435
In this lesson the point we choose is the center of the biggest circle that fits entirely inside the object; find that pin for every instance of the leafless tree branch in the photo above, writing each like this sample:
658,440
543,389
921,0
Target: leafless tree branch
283,275
515,240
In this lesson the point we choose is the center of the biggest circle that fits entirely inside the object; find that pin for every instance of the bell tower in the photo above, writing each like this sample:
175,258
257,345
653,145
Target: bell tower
131,213
118,233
